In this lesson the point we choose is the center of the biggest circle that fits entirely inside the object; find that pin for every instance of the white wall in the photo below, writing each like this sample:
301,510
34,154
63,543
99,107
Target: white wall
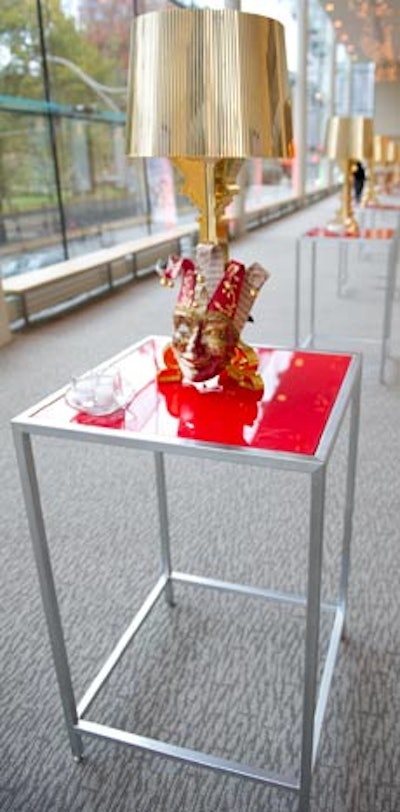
387,108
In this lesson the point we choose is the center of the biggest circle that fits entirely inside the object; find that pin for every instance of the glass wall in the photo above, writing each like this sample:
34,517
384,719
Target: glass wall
342,81
363,89
318,94
269,180
65,184
62,94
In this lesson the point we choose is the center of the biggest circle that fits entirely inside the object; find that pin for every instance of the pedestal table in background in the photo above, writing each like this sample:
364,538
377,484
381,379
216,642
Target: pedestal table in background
328,240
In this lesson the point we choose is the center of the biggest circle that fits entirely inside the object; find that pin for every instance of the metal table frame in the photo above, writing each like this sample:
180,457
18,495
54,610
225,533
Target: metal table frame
315,466
343,244
376,216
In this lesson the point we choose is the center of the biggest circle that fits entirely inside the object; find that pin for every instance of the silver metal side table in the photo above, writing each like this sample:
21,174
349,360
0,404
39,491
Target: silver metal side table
292,426
317,239
380,215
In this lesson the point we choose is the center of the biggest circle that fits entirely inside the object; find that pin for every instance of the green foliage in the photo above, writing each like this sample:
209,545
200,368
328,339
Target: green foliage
19,36
98,46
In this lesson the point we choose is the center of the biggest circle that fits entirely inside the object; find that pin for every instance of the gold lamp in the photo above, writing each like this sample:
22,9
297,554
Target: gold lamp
392,155
380,151
381,143
385,156
349,139
208,89
392,158
396,161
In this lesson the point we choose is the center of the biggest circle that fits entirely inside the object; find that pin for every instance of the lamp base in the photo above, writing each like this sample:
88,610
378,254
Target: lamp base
369,199
344,221
348,227
351,227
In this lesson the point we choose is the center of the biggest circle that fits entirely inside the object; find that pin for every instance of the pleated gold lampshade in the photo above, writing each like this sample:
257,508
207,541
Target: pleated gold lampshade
381,144
350,138
393,151
390,156
208,89
208,84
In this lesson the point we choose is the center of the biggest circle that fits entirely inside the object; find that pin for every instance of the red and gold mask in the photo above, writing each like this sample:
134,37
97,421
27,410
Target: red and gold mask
212,307
203,343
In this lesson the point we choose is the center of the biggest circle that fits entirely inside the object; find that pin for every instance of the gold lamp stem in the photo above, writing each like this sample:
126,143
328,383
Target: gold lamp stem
388,177
347,207
349,222
211,185
369,197
208,228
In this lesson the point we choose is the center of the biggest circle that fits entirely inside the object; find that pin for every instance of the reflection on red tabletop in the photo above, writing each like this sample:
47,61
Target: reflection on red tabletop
293,418
289,414
384,206
318,231
116,420
215,415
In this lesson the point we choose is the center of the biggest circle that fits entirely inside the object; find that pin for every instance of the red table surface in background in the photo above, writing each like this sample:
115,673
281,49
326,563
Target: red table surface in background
363,234
384,206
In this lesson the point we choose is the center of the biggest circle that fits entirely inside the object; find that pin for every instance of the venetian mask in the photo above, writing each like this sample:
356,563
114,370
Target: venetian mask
212,307
204,344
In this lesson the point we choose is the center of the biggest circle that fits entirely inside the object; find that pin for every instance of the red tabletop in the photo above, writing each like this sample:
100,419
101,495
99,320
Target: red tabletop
300,390
363,234
384,206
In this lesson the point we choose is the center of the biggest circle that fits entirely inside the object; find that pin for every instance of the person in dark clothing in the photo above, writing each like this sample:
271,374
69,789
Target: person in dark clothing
358,180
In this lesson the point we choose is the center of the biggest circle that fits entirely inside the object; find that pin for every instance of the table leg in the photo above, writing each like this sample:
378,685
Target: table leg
343,275
388,307
297,294
313,292
31,494
312,633
164,525
349,499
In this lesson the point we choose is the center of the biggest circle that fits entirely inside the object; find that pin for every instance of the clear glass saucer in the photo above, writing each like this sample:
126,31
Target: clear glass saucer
100,392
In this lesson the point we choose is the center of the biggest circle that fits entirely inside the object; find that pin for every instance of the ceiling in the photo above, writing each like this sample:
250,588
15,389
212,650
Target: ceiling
370,29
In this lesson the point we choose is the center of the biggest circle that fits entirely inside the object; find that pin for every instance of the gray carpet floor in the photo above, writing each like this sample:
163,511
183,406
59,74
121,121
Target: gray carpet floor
219,673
